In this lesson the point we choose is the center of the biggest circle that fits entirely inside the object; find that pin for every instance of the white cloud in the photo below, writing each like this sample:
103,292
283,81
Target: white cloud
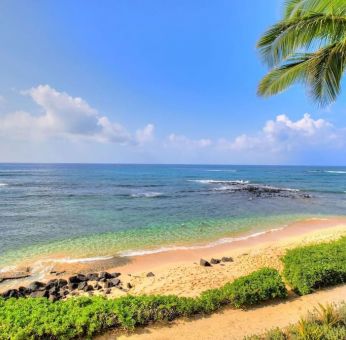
68,117
183,141
284,134
146,134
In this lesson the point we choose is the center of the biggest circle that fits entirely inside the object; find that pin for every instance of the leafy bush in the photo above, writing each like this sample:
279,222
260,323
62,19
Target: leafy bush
259,286
328,322
35,318
311,267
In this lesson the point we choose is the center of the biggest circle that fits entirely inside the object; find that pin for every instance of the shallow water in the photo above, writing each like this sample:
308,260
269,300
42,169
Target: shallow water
80,210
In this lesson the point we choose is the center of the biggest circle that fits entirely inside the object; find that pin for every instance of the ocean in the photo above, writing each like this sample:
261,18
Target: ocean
86,211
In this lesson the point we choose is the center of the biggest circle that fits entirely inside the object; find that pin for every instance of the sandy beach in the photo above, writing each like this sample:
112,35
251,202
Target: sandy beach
179,272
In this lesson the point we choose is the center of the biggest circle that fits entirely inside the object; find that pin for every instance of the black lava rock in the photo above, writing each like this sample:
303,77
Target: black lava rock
204,263
82,285
105,275
227,259
215,261
36,285
92,277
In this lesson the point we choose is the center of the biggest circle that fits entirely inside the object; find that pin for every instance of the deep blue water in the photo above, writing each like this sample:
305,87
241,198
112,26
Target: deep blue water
105,209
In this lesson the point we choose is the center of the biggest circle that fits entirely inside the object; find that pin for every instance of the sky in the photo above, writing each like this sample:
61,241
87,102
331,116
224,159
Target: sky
132,81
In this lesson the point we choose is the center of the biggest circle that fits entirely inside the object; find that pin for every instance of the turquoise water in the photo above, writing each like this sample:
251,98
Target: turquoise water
85,210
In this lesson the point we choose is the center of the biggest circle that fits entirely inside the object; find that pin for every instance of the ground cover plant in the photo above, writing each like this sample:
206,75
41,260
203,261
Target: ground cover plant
311,267
325,322
38,318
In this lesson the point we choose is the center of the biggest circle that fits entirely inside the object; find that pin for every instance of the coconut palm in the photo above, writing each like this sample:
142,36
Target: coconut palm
308,46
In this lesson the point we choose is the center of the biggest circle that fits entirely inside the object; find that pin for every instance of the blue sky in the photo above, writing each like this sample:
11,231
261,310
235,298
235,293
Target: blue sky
152,82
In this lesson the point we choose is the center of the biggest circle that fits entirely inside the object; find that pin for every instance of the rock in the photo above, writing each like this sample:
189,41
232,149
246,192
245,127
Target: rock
215,261
53,291
77,278
72,286
64,292
108,291
227,259
129,285
92,277
61,283
115,275
24,291
82,285
103,279
82,278
105,275
115,282
108,284
150,274
39,294
10,293
97,287
204,263
51,283
88,288
36,285
73,279
53,298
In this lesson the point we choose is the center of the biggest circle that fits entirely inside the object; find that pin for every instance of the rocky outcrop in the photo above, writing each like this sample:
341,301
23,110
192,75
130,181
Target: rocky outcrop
57,289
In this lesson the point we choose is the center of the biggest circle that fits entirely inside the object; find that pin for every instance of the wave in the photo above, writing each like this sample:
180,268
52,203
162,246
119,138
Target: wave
79,260
146,194
213,181
129,253
335,171
3,184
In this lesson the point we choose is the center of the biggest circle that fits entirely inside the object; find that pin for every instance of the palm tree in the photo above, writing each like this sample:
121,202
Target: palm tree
308,46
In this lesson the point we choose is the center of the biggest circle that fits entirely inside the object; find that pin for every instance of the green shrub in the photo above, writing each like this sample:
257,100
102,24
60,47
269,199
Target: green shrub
35,318
262,285
311,267
328,323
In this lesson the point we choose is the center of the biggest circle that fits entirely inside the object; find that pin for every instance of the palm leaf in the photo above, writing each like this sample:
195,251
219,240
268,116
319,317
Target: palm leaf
284,76
299,8
284,38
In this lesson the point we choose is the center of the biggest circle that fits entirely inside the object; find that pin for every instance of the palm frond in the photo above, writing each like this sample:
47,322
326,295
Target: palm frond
300,8
287,36
325,72
284,76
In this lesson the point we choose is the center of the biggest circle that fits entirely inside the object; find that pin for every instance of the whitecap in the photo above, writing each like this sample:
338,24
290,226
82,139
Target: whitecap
3,184
335,171
146,194
213,181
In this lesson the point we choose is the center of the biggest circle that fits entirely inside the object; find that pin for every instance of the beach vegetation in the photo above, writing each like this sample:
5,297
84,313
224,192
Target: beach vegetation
315,266
316,325
40,318
308,46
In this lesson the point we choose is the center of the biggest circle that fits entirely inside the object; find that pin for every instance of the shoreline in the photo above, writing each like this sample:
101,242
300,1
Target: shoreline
178,271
